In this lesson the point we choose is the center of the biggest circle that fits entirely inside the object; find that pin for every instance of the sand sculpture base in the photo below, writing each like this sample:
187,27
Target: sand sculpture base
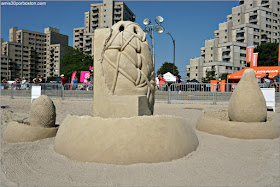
217,122
23,132
145,139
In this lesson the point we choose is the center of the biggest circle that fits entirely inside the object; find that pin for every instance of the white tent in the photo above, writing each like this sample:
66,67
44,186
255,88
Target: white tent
169,77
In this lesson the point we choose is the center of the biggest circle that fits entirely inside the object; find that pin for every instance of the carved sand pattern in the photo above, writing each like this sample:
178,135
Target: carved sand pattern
127,62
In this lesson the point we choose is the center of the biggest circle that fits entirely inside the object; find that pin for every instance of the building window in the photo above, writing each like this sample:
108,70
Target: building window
225,36
104,16
196,74
104,4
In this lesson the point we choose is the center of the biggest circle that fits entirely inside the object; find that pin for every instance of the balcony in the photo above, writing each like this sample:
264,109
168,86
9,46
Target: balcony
226,55
117,12
94,13
51,59
240,31
117,18
95,19
94,8
88,44
240,37
253,13
226,49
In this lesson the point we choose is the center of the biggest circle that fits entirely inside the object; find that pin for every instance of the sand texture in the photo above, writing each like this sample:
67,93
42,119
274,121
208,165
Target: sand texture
218,160
24,132
217,122
123,141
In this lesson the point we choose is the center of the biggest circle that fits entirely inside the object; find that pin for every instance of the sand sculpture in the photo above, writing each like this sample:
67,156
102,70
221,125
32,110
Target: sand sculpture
123,130
246,117
247,103
41,123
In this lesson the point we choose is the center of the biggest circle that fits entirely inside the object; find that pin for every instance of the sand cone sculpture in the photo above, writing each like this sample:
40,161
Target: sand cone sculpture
247,103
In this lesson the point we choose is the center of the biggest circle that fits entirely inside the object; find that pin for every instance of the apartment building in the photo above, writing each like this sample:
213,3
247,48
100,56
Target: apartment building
101,15
28,53
251,23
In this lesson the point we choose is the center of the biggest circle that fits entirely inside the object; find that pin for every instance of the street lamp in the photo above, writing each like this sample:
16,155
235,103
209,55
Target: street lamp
173,40
159,29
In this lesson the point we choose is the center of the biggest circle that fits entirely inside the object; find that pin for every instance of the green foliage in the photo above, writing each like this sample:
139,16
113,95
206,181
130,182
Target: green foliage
224,76
268,54
210,75
52,78
75,60
167,67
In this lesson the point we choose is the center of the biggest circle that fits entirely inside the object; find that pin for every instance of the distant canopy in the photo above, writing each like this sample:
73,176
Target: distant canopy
259,72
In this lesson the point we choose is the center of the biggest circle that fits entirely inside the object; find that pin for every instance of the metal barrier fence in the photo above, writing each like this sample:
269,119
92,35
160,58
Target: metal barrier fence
203,92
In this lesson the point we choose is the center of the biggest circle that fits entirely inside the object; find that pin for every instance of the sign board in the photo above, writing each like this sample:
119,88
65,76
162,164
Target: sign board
35,92
269,95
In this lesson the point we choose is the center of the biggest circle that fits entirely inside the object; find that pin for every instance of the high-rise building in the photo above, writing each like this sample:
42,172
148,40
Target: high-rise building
103,15
28,53
251,23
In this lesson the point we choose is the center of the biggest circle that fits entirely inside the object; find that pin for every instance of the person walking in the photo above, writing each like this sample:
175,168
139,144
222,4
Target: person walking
63,79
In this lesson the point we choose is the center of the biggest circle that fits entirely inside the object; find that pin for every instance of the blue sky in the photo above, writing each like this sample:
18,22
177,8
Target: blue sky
189,22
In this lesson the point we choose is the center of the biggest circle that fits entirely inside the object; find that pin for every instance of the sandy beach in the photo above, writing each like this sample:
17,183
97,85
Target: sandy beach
218,161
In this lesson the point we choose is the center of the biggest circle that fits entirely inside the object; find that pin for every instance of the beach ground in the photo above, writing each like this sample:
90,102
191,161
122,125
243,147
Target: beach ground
218,161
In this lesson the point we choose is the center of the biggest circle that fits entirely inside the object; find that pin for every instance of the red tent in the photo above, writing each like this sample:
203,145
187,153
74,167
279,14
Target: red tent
259,71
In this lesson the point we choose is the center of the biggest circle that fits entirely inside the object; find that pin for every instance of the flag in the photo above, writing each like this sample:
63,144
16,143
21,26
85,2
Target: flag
254,62
249,54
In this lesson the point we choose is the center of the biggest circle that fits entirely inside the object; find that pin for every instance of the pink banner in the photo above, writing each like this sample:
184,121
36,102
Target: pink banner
84,76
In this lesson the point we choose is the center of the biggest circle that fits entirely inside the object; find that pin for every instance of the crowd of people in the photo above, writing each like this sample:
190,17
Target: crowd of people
271,83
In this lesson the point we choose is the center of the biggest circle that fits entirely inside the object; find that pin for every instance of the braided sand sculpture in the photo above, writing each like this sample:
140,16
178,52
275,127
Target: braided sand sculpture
123,130
246,117
41,123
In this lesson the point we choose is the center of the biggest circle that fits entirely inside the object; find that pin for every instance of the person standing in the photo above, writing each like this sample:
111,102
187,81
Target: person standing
75,83
63,80
218,86
37,80
178,83
266,80
23,83
276,82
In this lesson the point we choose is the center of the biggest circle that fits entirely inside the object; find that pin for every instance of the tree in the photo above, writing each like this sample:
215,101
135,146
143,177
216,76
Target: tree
223,76
168,67
210,75
268,54
75,60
